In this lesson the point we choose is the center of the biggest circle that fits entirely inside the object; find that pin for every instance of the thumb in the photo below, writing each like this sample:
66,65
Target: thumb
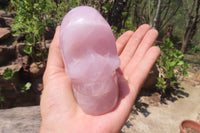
57,94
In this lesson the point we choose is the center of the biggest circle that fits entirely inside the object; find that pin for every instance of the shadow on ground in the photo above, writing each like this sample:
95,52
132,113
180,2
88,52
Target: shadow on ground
155,97
128,124
173,94
141,107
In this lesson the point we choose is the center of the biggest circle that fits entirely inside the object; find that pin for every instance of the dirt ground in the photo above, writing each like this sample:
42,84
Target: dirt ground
156,117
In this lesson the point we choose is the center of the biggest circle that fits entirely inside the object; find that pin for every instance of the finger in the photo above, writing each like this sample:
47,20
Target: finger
55,56
143,68
132,45
57,93
55,61
146,43
122,41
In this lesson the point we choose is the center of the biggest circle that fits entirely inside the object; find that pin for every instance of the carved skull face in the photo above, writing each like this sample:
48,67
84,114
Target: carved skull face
87,44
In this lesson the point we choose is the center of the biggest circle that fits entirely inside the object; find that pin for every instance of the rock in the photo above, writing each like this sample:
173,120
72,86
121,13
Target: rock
6,84
36,69
20,49
6,18
7,53
15,68
12,95
8,21
2,22
2,13
20,120
37,85
4,33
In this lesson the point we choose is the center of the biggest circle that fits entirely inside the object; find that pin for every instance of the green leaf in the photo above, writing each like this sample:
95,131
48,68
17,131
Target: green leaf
172,64
185,74
180,56
107,7
8,74
25,87
186,65
180,63
38,54
173,82
36,5
124,14
169,74
160,83
28,50
2,99
30,40
28,43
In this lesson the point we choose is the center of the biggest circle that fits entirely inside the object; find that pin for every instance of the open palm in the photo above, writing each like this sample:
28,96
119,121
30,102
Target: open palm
59,109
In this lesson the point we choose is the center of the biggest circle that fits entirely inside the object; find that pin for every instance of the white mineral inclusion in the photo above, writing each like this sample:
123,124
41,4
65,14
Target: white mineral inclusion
90,56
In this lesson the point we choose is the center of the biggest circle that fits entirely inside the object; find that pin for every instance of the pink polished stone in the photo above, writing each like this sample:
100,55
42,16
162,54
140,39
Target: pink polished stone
90,56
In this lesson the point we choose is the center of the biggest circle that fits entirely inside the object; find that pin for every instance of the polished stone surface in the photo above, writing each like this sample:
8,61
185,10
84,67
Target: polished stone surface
90,56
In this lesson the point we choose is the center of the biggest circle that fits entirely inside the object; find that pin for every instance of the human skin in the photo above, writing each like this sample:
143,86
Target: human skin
59,110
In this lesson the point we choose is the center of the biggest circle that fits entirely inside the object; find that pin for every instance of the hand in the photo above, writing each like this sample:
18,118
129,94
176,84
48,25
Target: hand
59,109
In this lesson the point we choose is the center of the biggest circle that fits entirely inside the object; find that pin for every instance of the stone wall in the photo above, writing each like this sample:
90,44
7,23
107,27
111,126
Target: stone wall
20,120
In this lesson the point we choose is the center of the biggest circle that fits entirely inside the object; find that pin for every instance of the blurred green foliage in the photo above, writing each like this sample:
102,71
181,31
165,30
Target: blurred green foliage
25,87
8,74
32,19
170,65
1,97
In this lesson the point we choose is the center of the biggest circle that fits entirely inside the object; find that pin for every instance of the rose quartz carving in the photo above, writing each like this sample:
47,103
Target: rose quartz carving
90,57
